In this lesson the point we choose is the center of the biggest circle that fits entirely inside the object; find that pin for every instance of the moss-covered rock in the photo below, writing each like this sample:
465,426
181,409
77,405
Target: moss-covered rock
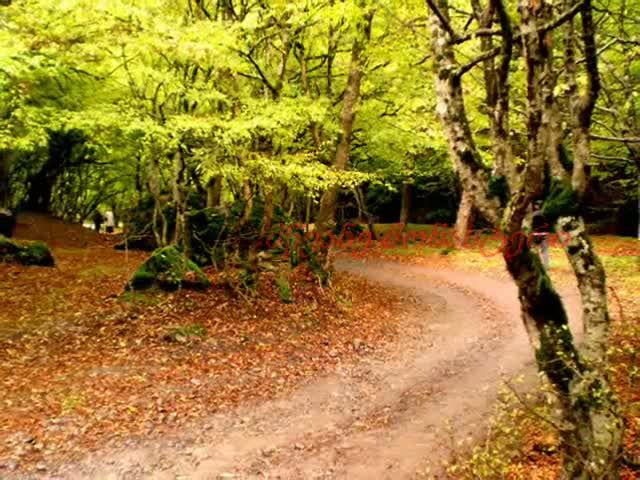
168,269
36,253
32,253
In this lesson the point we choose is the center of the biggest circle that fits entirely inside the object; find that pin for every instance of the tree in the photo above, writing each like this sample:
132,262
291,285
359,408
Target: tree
326,216
592,433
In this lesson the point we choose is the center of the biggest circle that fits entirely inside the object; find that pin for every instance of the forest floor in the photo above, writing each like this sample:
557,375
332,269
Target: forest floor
383,375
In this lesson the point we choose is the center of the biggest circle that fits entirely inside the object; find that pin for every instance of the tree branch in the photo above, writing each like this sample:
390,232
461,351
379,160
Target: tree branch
443,20
564,17
616,139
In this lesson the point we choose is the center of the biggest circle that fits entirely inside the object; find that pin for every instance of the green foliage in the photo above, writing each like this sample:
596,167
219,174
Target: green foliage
562,201
168,269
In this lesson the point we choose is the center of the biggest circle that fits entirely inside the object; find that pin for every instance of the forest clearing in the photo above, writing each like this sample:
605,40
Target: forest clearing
331,239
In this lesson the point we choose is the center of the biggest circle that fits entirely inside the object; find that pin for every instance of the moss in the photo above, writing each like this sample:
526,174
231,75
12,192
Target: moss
284,289
556,356
186,332
499,188
142,279
561,202
168,269
36,253
31,254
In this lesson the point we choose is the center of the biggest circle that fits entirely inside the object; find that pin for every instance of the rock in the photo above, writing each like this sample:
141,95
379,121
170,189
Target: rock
168,269
25,253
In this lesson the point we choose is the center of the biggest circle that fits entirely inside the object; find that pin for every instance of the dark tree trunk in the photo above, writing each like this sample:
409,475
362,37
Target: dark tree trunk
5,192
405,208
7,217
214,191
269,207
40,190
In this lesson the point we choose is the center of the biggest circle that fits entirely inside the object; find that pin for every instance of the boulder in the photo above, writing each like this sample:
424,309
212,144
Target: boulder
168,269
31,253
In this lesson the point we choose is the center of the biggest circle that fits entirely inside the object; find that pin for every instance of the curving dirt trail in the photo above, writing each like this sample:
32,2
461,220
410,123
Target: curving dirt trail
383,417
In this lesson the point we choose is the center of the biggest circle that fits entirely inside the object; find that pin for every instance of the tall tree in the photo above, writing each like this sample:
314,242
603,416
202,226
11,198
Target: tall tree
592,436
327,213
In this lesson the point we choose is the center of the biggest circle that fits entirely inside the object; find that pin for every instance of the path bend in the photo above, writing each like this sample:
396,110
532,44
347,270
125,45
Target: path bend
382,417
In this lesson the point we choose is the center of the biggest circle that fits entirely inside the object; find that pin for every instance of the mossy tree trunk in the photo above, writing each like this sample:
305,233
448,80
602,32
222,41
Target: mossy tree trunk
591,432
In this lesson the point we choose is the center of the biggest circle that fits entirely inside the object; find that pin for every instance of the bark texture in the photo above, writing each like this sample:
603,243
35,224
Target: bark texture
464,219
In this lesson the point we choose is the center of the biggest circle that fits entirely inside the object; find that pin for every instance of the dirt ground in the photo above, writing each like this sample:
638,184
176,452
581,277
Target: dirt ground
388,415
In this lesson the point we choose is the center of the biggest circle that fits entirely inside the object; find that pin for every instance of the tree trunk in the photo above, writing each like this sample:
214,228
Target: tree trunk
214,191
464,219
40,190
247,196
159,222
405,207
326,215
369,218
591,434
5,193
178,197
269,206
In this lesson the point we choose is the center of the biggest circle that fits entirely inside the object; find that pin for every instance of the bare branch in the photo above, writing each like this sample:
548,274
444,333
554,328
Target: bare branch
561,19
616,139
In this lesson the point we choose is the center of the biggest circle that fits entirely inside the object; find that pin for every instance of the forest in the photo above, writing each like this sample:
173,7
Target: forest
320,239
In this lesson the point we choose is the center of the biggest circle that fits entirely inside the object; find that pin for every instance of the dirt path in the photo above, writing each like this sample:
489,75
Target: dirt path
384,417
